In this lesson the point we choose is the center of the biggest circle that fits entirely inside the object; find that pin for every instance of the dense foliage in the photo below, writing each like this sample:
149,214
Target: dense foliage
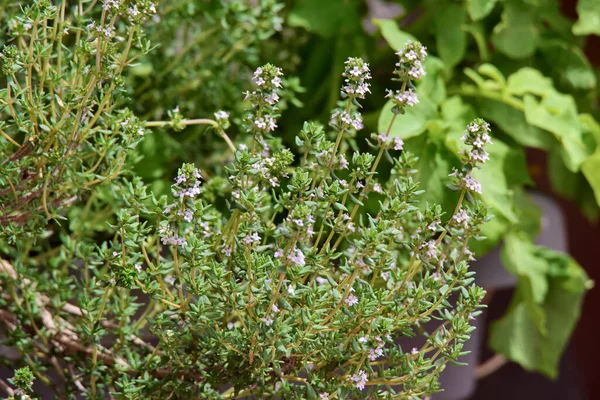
288,252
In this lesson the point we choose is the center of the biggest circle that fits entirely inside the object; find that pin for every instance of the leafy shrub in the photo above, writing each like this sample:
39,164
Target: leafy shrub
271,276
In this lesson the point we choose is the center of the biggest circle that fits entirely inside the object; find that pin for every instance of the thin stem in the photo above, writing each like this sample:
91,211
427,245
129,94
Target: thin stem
186,122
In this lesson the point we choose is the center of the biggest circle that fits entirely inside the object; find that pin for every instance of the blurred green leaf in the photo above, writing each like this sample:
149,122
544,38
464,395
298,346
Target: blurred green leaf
432,84
529,80
451,39
412,123
591,171
392,34
557,113
568,64
517,335
589,18
479,9
513,122
326,18
494,180
516,35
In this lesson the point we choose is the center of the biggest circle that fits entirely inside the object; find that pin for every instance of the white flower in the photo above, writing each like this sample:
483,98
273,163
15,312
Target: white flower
221,115
398,143
434,225
351,300
297,257
357,122
278,253
170,280
377,188
290,290
324,396
403,99
138,267
360,379
472,183
267,320
342,162
66,30
133,11
374,354
461,217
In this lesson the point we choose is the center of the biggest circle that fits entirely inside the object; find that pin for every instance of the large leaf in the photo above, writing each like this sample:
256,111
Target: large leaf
517,335
516,35
456,116
412,123
591,171
496,190
435,164
557,113
432,84
326,18
479,9
568,64
589,18
513,122
529,80
392,34
518,257
450,38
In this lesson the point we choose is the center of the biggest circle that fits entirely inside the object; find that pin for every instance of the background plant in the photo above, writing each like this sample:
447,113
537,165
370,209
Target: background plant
520,65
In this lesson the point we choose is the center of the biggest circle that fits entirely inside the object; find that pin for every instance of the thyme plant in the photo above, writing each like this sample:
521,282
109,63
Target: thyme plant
275,276
64,128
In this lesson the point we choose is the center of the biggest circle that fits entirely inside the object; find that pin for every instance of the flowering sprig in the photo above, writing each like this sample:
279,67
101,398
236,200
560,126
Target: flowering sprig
409,68
476,136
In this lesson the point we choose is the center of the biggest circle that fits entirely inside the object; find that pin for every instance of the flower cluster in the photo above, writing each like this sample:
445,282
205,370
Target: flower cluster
262,119
476,136
410,64
357,75
409,68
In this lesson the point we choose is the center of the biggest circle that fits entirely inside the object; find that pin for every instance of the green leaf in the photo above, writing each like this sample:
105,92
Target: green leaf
516,35
557,113
435,164
569,65
432,84
456,115
518,257
326,18
530,214
494,180
589,18
517,335
563,181
491,71
513,123
529,80
392,34
412,123
451,39
479,9
591,171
